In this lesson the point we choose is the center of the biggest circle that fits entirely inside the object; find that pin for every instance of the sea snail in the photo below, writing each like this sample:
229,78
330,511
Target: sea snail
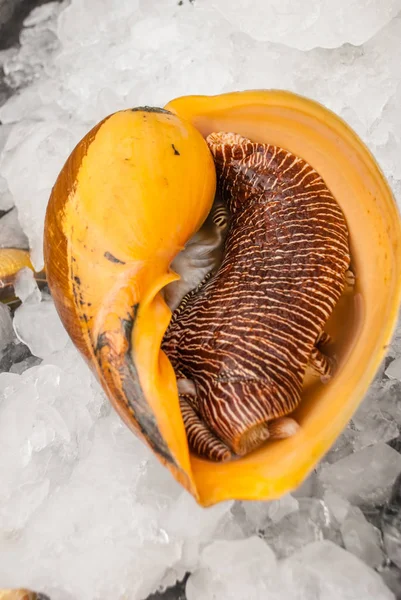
130,197
246,337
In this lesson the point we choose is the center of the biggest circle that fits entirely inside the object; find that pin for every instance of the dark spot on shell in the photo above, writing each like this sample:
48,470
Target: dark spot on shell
129,323
136,401
101,342
113,259
176,153
151,109
77,280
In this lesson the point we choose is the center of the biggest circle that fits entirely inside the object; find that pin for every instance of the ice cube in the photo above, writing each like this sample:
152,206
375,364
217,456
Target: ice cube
21,506
42,148
26,287
382,402
364,477
311,487
393,371
391,575
324,571
375,421
6,199
27,64
229,528
38,325
11,233
310,523
362,538
260,515
6,327
309,25
79,25
235,570
339,507
228,557
14,353
187,521
41,14
391,524
23,365
342,447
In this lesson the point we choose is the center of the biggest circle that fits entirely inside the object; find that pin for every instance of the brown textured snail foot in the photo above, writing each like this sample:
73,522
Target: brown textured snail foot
199,435
207,445
283,270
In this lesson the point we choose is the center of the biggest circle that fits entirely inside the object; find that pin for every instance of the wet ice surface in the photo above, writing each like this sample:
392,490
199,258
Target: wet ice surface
6,326
86,512
391,524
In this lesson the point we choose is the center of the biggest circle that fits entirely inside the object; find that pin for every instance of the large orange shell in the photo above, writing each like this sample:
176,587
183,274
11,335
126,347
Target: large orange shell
123,206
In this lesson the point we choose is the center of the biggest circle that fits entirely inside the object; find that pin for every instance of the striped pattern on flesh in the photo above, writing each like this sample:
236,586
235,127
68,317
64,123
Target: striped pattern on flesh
245,338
